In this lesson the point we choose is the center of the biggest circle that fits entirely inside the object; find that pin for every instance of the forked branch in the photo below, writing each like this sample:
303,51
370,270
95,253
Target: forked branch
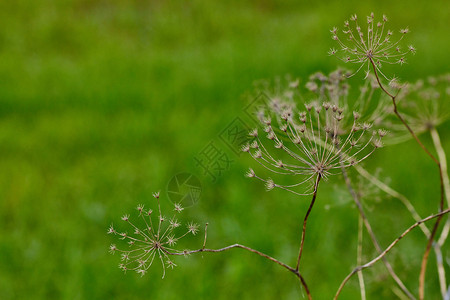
389,248
305,220
287,267
441,177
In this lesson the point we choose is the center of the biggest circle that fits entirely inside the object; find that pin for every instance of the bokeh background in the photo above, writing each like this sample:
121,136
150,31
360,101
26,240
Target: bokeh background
103,102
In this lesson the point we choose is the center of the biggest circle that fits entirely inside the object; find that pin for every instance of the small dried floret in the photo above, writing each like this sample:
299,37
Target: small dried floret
170,264
312,86
111,229
171,240
250,173
112,248
280,164
366,126
294,84
193,228
257,154
378,144
245,148
382,132
174,223
404,31
270,184
254,133
178,208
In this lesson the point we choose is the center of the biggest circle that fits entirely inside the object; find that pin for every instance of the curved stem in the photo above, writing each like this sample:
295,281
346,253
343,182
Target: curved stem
389,248
444,234
296,272
400,117
423,266
390,191
441,202
440,269
362,286
305,220
443,160
373,238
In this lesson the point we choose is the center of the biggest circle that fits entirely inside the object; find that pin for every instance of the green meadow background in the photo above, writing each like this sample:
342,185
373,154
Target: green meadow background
103,102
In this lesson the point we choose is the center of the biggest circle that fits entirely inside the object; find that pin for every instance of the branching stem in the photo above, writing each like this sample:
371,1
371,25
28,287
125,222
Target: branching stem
373,237
441,177
389,248
305,220
289,268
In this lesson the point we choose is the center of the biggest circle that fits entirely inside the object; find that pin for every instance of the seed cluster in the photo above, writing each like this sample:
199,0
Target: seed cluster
150,242
312,143
371,46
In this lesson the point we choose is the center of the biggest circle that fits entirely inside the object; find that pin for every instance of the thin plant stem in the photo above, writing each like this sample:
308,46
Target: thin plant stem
441,202
389,248
305,220
444,234
441,269
373,237
443,160
362,286
390,191
436,246
423,266
400,117
206,235
289,268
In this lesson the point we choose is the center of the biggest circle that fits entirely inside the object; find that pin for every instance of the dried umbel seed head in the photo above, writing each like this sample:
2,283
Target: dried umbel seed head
151,239
365,103
371,46
312,145
424,105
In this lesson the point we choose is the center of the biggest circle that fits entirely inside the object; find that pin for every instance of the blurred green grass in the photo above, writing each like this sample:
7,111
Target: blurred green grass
102,102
